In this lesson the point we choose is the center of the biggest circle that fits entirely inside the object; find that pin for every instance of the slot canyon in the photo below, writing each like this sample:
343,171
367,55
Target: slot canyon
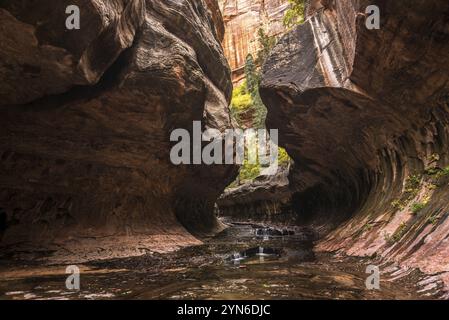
86,177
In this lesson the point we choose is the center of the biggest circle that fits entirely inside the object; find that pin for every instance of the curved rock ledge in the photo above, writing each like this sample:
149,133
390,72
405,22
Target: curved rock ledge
267,199
364,113
40,57
85,142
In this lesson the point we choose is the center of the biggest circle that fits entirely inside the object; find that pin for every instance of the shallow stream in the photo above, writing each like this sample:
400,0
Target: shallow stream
246,261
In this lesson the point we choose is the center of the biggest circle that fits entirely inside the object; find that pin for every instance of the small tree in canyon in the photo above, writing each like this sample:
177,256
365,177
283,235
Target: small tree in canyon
247,107
266,44
252,84
251,74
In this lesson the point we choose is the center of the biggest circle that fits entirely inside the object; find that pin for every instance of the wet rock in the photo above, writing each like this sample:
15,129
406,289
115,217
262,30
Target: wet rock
361,112
254,252
88,169
272,232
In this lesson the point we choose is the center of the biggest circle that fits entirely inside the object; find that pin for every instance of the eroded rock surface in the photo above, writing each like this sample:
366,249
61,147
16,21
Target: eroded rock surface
364,114
85,122
243,19
39,56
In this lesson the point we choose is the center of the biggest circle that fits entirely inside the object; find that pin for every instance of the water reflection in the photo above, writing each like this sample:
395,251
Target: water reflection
257,252
244,262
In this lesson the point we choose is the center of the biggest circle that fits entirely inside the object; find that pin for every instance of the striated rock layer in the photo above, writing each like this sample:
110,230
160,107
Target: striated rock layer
365,115
243,19
267,198
85,122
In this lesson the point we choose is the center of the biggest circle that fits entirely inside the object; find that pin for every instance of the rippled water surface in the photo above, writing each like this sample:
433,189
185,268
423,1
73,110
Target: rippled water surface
245,261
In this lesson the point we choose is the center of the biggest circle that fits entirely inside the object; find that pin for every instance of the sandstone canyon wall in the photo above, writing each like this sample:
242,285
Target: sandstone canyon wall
365,116
243,19
265,199
85,122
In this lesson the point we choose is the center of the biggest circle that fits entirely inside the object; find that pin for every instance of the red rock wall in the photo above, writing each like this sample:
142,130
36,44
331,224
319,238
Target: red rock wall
365,116
243,18
85,123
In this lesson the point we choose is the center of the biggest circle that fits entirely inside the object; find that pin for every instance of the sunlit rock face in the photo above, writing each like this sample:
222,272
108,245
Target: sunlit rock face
85,123
364,114
266,199
243,19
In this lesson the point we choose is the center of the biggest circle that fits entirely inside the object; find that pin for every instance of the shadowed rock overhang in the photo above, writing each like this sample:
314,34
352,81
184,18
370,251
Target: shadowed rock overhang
85,122
364,114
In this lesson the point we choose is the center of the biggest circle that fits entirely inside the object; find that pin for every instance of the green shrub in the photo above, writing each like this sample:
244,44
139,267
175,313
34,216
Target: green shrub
284,158
249,171
433,219
294,15
242,102
413,184
432,171
266,44
398,204
367,227
417,207
445,171
442,173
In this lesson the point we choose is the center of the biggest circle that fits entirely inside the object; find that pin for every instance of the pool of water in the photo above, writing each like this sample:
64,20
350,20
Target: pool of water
246,261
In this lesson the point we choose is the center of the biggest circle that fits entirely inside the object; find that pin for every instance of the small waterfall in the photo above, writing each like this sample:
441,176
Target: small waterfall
261,256
236,258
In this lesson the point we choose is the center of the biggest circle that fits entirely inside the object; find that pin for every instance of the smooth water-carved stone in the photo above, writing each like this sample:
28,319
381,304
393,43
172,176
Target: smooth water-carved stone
39,56
88,171
362,112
